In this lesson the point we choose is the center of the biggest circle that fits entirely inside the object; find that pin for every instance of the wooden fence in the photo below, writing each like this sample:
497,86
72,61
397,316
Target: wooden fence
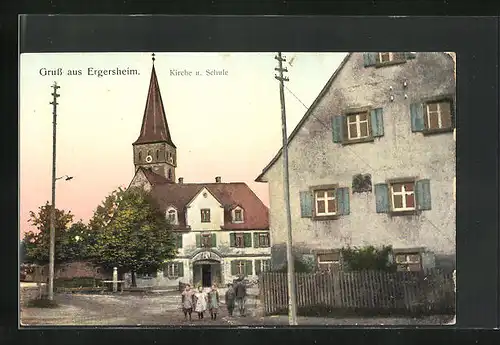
363,292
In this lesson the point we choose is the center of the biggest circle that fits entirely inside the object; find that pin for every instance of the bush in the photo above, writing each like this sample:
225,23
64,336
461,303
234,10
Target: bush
368,258
77,282
299,267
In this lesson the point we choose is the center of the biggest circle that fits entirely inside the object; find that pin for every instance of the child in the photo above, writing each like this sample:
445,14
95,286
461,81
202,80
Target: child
230,296
201,303
213,302
187,301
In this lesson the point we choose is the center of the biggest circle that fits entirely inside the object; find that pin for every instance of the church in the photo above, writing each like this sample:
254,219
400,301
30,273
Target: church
221,229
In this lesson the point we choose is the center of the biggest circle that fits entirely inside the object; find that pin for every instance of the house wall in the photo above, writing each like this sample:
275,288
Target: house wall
140,181
315,160
205,200
223,249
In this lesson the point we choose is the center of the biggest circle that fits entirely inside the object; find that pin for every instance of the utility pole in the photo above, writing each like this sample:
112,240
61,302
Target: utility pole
292,299
53,206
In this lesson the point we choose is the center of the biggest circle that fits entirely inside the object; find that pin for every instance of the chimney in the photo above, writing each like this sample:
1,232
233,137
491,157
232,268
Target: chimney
217,179
181,180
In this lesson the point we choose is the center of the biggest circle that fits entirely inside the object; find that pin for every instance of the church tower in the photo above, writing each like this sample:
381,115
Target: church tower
154,149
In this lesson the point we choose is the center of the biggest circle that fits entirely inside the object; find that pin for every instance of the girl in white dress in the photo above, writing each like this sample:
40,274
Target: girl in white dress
201,302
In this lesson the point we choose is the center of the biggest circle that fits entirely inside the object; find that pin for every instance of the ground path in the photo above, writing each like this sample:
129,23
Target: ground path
164,309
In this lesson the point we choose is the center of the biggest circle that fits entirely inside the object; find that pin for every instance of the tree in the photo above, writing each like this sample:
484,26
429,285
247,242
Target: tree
37,243
368,258
76,243
132,233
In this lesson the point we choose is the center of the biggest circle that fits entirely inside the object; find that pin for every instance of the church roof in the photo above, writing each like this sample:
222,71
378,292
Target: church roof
231,194
154,123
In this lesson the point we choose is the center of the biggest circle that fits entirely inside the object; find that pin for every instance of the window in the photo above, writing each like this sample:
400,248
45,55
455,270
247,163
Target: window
178,240
172,216
403,196
262,266
264,240
206,240
239,240
358,126
157,154
328,261
140,155
266,265
173,270
385,57
438,115
242,267
408,262
205,215
238,215
325,202
169,174
147,275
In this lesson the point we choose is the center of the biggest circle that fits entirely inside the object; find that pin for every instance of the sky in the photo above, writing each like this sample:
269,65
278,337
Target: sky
223,125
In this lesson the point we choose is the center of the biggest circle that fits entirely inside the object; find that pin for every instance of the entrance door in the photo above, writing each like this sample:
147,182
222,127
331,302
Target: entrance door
206,275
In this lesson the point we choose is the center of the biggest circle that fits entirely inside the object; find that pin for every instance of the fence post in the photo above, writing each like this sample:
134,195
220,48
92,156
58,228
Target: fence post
115,279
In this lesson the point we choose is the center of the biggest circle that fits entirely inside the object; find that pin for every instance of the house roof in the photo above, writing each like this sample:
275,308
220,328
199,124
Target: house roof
229,194
305,117
153,177
154,123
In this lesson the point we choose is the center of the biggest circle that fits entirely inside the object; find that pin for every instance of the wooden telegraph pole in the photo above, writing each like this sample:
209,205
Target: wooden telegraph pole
53,205
292,299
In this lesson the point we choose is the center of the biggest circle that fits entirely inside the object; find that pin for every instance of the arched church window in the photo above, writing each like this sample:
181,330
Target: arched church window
169,174
140,155
157,154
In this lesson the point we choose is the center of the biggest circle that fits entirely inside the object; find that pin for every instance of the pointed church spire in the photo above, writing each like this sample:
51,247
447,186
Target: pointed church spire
154,123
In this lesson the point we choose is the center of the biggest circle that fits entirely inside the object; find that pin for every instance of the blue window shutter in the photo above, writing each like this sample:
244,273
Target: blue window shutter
306,204
369,59
382,198
377,119
423,190
410,55
428,261
417,117
343,201
338,128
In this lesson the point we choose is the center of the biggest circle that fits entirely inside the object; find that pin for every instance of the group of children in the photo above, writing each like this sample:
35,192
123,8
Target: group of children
200,301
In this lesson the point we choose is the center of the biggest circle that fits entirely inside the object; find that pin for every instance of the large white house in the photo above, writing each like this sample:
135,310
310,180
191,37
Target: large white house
372,162
222,229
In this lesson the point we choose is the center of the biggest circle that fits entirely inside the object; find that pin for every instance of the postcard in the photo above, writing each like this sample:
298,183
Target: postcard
237,189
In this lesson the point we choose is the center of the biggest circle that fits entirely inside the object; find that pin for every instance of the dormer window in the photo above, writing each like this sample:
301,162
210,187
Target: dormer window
172,216
237,215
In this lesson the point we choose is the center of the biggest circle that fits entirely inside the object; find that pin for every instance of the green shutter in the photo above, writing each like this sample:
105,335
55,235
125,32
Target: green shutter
232,239
179,240
338,128
257,267
234,269
256,240
248,267
369,59
306,204
410,55
180,266
198,240
377,120
247,240
268,261
382,198
213,237
417,117
343,201
423,194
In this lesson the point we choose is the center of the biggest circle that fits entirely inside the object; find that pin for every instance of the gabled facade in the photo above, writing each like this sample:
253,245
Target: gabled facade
372,162
221,229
